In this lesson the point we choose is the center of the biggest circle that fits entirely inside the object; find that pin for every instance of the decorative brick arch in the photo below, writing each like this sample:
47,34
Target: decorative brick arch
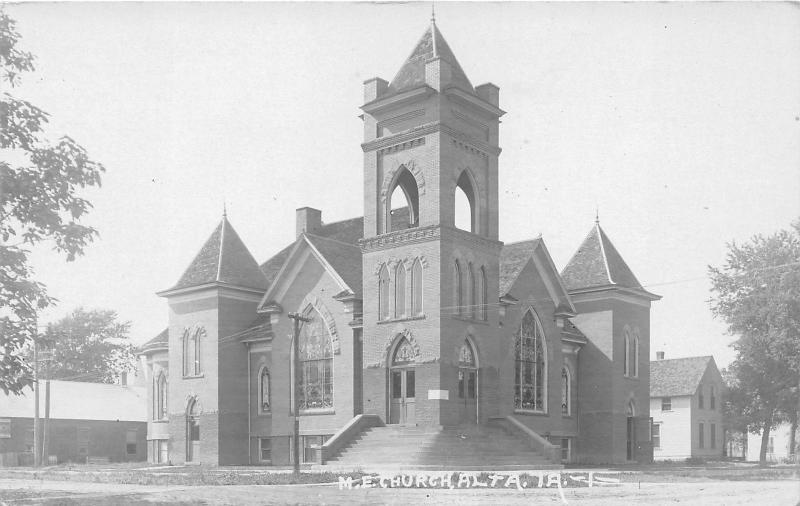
392,342
315,302
391,175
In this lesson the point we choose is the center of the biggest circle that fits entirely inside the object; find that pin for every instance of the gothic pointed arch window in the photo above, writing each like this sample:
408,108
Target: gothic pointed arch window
404,353
635,354
566,392
470,295
458,291
416,288
465,201
264,391
191,351
316,363
403,202
467,371
384,304
626,366
400,290
481,290
160,397
530,372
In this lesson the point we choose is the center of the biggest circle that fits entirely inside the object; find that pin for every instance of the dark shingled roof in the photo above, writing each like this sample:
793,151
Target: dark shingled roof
161,340
431,45
598,263
677,376
346,231
223,258
513,258
344,258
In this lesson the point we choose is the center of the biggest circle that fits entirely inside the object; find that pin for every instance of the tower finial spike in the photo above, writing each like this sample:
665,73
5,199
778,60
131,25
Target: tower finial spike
596,214
433,13
224,209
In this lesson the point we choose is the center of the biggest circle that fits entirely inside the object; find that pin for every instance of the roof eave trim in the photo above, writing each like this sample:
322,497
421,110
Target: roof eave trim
152,349
397,99
456,92
205,286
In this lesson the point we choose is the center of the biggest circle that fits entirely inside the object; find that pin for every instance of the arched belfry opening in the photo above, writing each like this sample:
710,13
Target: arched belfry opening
466,204
403,202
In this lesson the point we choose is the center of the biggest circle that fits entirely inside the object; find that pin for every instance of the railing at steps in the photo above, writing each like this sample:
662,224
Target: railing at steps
550,451
346,434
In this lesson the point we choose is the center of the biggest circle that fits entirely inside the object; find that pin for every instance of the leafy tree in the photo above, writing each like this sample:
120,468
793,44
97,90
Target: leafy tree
757,293
39,203
89,345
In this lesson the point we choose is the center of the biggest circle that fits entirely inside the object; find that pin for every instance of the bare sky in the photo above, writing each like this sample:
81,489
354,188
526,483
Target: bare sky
681,121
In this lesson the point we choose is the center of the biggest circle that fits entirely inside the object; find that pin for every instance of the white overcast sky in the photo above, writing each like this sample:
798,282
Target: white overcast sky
681,121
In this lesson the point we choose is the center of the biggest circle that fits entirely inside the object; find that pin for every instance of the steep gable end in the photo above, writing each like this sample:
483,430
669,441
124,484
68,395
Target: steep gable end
677,376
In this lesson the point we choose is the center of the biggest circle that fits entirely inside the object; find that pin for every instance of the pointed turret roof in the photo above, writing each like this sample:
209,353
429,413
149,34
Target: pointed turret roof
431,45
223,259
598,263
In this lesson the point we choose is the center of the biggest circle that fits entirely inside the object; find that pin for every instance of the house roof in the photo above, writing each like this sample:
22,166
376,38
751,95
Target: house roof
677,376
431,45
160,341
73,400
598,263
224,259
344,258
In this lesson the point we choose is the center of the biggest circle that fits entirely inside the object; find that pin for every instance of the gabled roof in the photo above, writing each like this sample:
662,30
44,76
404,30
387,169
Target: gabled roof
341,260
160,341
259,329
598,263
73,400
513,259
223,259
347,231
677,376
431,45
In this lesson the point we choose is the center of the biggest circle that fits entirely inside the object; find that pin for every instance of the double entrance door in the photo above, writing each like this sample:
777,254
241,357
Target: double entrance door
402,384
468,394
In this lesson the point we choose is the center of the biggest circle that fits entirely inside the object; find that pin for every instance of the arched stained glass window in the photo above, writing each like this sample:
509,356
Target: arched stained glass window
531,365
316,364
400,291
404,353
627,356
565,392
191,351
264,404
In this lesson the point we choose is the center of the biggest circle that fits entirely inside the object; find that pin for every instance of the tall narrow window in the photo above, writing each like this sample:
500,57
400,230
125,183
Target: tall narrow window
701,435
403,202
635,357
482,309
464,201
565,392
713,436
263,391
713,399
160,405
627,356
191,351
531,363
416,288
472,311
400,290
316,363
700,397
458,292
383,293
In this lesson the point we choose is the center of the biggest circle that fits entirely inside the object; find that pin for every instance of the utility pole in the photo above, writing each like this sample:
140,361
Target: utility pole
36,451
297,318
47,357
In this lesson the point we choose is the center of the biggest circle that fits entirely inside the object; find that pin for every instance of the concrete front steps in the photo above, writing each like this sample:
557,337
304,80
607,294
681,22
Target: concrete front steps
464,448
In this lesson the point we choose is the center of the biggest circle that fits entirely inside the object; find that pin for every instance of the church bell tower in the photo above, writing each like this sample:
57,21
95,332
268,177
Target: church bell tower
429,287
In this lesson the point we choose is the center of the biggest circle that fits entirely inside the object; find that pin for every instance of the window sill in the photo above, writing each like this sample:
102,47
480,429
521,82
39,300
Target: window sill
194,376
265,414
529,412
160,420
317,411
470,320
402,319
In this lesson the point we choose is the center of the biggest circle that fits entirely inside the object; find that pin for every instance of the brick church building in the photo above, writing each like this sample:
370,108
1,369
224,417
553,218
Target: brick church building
414,324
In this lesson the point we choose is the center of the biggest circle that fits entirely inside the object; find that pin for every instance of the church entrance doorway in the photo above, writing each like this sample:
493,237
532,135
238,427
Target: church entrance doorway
402,385
467,384
631,431
192,432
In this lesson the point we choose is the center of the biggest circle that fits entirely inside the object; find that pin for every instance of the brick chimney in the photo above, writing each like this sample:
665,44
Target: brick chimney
659,355
309,220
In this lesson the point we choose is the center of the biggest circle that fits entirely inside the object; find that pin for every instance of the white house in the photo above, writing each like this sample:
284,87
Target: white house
686,408
777,446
